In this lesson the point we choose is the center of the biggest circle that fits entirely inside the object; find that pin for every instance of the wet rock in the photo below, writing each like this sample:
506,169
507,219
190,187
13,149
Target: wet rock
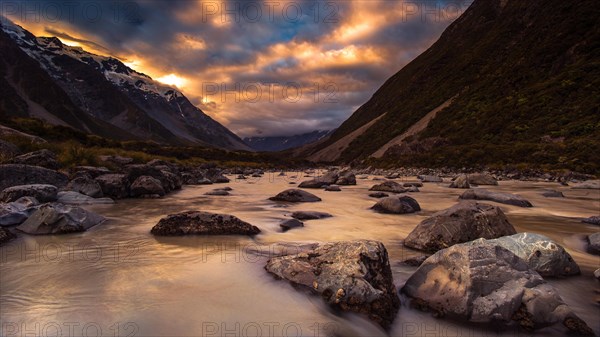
42,193
86,185
587,185
503,198
15,213
488,284
482,179
389,186
56,218
6,236
346,178
43,158
16,175
397,205
350,276
227,189
593,220
220,193
379,195
291,224
294,195
76,198
415,261
460,223
307,215
115,186
333,188
594,243
216,176
202,223
392,176
553,194
315,183
462,181
543,255
146,186
327,179
430,179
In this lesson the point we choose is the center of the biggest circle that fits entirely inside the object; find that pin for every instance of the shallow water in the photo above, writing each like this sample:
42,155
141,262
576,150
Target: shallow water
119,280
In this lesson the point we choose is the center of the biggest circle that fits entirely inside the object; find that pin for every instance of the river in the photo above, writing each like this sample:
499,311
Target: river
118,280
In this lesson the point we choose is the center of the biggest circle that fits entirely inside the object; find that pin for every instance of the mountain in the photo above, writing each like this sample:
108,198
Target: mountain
274,144
509,82
43,78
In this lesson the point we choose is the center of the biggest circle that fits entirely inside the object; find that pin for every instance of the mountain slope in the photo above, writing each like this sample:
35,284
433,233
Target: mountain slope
273,144
43,78
525,78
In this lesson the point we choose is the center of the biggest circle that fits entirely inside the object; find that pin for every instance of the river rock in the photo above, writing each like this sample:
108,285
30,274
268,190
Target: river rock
460,223
333,188
216,176
16,175
307,215
379,195
15,213
220,193
6,236
86,185
482,179
553,194
500,197
146,186
202,223
294,195
389,186
76,198
588,185
594,243
327,179
462,181
543,255
346,178
291,224
350,276
167,180
314,183
114,186
488,284
397,205
56,218
430,179
42,193
88,171
43,158
593,220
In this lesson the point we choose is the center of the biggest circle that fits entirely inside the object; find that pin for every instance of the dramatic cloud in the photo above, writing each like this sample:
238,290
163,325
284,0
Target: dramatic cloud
259,67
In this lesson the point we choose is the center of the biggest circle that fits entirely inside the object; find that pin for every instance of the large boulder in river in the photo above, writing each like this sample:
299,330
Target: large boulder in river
314,183
146,186
500,197
346,178
543,255
488,284
462,181
84,184
594,243
202,223
56,218
308,215
482,179
389,186
168,180
294,195
15,175
42,193
460,223
350,276
43,158
327,179
216,176
15,213
5,236
115,186
397,205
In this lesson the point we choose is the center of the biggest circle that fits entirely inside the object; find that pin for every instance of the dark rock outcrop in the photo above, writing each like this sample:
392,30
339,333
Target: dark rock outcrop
43,158
16,175
460,223
389,186
84,184
202,223
42,193
462,181
147,187
379,195
294,195
482,179
397,205
115,186
594,243
307,215
291,224
593,220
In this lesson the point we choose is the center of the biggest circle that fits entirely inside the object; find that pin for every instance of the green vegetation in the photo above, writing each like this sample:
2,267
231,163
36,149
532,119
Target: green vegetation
75,148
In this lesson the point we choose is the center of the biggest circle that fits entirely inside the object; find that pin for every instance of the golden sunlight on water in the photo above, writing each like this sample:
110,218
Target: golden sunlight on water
118,279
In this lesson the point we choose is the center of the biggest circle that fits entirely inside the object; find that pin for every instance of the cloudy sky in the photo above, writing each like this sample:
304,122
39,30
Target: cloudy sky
259,67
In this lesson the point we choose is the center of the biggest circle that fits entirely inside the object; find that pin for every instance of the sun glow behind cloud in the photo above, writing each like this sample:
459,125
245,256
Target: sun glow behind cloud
189,44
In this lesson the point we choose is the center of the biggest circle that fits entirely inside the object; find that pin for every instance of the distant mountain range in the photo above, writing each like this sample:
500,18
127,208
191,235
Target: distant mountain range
273,144
41,77
509,82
